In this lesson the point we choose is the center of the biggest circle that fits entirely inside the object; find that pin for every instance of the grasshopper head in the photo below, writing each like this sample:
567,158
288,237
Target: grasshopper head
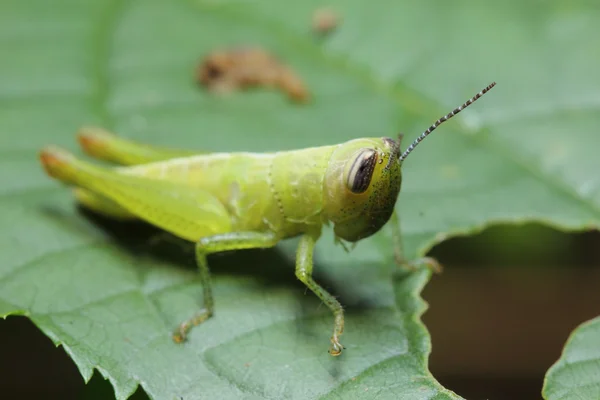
362,184
363,180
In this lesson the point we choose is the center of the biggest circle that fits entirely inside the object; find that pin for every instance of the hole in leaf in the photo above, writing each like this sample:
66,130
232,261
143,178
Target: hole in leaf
503,308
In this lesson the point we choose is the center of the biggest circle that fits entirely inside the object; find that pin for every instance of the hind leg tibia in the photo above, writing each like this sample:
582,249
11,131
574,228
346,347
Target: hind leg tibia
104,145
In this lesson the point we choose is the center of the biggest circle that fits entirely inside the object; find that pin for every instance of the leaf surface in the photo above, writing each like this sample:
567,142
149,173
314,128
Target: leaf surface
576,375
526,152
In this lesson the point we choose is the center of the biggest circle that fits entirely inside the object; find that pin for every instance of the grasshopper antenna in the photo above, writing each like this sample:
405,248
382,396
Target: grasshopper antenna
442,120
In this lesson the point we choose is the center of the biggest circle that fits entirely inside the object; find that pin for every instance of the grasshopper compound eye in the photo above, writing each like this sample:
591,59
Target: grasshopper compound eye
442,120
361,171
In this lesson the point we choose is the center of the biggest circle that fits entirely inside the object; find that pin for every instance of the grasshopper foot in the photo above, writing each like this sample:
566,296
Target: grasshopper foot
430,263
180,335
336,347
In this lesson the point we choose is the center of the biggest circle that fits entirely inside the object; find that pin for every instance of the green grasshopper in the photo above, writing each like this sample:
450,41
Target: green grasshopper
233,201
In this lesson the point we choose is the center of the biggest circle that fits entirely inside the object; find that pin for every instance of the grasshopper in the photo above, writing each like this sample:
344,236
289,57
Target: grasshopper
233,201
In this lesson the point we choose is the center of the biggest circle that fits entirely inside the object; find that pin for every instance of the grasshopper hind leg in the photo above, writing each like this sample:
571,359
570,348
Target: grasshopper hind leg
189,213
101,205
104,145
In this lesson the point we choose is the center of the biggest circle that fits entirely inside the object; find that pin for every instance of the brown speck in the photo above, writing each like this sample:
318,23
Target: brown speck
241,68
325,20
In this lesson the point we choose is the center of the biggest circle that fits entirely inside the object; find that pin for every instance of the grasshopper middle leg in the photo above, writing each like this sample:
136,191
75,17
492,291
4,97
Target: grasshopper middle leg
214,244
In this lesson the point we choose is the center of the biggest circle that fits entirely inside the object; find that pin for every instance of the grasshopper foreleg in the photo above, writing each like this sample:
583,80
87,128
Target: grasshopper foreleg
304,267
215,244
411,265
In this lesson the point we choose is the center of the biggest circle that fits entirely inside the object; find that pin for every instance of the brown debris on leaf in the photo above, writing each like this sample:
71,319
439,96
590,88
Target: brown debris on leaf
325,20
228,70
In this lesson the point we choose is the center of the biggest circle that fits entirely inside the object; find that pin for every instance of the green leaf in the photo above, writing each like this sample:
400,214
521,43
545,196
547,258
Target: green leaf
526,152
576,375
